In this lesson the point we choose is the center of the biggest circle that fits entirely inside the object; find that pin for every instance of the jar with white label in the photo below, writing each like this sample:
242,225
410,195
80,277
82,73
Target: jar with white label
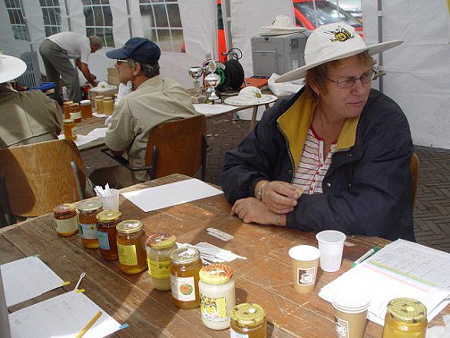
184,277
217,295
248,320
66,219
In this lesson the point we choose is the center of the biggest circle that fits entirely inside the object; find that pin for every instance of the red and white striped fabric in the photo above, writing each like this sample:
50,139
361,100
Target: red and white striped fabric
312,168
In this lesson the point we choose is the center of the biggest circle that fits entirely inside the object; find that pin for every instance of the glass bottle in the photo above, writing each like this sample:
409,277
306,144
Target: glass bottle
88,211
405,318
248,320
131,246
66,219
107,221
159,247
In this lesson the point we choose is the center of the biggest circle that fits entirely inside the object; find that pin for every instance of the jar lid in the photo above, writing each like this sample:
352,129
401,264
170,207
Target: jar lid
129,226
65,103
108,215
64,209
351,301
89,205
184,255
160,241
407,310
68,121
216,274
85,102
248,314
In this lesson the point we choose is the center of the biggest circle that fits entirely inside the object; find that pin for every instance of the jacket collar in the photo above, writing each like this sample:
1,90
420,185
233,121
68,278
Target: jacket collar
296,120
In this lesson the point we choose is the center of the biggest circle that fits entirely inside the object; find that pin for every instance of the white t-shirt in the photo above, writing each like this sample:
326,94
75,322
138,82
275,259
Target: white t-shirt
76,45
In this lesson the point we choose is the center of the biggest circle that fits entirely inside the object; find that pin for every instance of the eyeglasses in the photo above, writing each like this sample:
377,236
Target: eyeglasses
365,79
119,62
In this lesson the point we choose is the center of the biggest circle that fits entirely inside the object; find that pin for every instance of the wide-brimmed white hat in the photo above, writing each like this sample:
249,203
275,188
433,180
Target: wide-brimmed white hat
282,24
11,68
333,42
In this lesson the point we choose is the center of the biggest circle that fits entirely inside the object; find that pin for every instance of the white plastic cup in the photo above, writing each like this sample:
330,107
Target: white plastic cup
111,202
331,246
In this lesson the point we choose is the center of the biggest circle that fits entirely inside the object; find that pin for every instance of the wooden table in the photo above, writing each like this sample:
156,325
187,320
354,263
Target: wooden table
263,278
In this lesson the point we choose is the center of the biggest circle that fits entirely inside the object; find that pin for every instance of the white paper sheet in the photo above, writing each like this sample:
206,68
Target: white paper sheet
212,109
61,316
27,278
95,134
170,194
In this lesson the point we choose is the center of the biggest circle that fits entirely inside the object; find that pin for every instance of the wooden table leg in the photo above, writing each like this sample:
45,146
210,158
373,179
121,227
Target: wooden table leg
253,122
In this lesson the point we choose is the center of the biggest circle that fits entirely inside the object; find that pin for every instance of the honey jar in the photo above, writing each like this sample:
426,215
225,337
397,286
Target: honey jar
107,221
405,318
66,219
99,104
248,320
159,247
67,109
88,222
75,114
86,109
184,277
68,130
108,105
131,246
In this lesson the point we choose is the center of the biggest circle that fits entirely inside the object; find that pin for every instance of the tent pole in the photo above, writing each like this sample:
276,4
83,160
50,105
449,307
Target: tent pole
130,29
226,12
69,25
380,39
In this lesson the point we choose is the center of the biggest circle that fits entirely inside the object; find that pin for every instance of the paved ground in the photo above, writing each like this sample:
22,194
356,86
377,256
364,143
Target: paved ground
432,212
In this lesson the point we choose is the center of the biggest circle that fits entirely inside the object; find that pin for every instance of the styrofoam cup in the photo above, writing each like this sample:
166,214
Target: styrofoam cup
331,246
111,202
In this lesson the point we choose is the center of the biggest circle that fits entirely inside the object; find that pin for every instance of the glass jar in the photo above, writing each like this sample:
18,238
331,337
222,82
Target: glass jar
67,109
86,109
217,295
159,247
108,105
88,222
99,104
131,246
68,130
66,219
184,277
248,320
107,221
405,318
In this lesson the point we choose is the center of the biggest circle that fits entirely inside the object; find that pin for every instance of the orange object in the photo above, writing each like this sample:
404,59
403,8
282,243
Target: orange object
255,82
221,42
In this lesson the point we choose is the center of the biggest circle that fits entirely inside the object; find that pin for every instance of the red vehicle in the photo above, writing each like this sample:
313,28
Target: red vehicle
313,13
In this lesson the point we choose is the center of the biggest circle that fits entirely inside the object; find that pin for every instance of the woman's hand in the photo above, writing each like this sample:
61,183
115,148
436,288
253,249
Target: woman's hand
252,210
280,197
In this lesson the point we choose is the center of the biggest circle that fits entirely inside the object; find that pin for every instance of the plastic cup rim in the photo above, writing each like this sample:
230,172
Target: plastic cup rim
313,251
342,239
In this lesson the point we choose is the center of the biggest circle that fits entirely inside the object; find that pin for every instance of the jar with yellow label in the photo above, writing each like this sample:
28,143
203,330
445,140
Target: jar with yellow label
184,277
405,318
66,219
217,295
248,320
159,247
107,221
131,246
88,222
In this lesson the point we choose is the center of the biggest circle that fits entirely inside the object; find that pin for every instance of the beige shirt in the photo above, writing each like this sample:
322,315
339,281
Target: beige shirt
155,101
27,117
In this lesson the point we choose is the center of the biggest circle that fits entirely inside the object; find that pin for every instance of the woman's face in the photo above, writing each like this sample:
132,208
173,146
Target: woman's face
345,97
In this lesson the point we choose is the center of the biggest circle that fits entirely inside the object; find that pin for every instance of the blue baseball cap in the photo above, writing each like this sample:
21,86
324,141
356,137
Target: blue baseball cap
138,49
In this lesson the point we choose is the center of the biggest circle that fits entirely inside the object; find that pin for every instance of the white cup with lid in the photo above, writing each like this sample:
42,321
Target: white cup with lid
331,246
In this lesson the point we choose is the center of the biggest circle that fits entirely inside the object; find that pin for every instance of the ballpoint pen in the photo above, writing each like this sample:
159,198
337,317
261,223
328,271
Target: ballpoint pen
365,256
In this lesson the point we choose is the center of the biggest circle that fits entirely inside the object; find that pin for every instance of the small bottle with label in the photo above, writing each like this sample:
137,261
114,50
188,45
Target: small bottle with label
107,221
159,247
66,219
88,222
405,318
217,295
131,246
248,320
184,277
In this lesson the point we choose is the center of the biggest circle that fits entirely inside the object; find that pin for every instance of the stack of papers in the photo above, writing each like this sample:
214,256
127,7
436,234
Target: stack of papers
401,269
95,134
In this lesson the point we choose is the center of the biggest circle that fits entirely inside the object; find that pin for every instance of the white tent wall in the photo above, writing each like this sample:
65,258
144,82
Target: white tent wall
418,71
247,17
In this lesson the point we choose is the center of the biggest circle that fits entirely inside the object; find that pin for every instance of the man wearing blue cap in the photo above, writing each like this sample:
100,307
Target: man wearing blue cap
154,100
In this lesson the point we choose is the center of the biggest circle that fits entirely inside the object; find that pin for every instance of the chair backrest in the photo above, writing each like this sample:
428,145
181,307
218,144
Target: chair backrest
39,176
179,145
414,168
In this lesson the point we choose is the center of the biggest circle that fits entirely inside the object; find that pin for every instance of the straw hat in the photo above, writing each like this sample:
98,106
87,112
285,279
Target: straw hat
333,42
281,25
11,68
249,96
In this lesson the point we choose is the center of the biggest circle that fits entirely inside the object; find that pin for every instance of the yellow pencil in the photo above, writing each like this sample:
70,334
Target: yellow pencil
83,331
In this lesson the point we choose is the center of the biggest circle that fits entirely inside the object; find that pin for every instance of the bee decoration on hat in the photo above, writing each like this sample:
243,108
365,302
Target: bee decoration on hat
340,34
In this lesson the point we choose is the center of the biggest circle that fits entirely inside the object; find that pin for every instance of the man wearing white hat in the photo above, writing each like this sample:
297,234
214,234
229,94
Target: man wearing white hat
27,116
335,155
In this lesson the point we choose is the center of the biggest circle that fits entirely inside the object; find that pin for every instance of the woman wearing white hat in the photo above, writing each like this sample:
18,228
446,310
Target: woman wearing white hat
28,116
333,156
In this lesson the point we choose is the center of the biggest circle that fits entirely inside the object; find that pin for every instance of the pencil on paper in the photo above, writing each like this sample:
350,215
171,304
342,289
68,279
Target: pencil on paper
91,323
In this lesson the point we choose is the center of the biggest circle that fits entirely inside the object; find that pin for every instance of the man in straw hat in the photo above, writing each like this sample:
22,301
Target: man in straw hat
25,117
333,156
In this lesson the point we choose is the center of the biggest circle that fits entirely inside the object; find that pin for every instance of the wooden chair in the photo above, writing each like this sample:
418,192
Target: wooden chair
414,167
39,176
177,146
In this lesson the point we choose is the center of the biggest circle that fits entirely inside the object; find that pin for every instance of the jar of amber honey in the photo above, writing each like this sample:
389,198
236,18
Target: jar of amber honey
107,221
88,222
67,109
184,277
248,320
68,130
405,318
159,247
131,246
86,109
66,219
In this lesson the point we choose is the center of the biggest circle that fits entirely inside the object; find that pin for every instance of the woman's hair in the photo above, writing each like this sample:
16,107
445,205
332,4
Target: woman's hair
317,76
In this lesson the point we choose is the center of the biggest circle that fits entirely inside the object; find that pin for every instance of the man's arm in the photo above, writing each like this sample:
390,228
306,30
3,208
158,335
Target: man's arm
120,132
86,72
